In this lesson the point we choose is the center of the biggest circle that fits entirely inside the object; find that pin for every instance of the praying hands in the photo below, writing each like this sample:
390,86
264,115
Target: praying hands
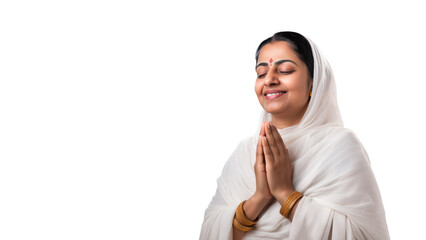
273,168
273,171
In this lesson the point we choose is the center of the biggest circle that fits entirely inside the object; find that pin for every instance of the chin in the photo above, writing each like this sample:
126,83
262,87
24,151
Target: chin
273,110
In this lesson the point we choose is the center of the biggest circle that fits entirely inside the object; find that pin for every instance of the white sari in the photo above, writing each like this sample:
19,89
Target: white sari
330,168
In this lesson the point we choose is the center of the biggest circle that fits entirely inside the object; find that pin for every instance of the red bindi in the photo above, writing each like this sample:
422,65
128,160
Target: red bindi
270,62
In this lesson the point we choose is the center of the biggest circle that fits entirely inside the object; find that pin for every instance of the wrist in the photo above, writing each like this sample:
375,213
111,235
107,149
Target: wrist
254,206
260,199
283,195
290,204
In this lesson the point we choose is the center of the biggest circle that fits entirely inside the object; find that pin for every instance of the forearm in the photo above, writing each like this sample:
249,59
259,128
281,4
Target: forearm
282,198
252,208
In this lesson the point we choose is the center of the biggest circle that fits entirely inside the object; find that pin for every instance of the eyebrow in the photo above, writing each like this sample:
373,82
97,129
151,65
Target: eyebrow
276,63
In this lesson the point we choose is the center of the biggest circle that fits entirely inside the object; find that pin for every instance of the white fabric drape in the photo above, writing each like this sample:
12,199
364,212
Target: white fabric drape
331,168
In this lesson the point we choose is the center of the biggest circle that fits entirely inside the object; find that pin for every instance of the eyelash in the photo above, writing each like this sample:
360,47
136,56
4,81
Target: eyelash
262,75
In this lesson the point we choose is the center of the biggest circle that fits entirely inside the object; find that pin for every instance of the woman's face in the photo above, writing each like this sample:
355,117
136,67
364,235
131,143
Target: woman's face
280,70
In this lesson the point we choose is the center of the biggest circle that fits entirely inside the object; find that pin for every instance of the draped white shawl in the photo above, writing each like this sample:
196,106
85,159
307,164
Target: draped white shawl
331,168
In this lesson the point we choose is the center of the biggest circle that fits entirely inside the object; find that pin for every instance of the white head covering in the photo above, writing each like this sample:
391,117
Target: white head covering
330,167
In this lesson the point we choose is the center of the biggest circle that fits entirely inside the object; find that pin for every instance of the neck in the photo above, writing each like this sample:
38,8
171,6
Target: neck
281,123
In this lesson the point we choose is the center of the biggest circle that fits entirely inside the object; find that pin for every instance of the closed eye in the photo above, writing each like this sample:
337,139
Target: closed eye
287,72
261,76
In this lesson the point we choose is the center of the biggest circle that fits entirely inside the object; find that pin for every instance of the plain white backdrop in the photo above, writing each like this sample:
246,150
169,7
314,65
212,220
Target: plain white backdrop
116,117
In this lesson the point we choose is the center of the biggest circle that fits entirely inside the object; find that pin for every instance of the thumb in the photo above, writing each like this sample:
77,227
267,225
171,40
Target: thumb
259,151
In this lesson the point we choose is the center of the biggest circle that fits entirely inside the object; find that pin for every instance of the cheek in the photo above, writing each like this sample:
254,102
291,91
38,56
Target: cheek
258,88
297,85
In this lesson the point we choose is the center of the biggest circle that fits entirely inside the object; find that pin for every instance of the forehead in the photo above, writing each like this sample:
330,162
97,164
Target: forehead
277,50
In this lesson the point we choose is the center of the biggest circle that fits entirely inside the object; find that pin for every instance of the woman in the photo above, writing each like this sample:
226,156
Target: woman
302,175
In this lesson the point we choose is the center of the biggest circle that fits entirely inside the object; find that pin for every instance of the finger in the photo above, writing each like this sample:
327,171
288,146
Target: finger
271,140
267,150
278,140
281,140
262,129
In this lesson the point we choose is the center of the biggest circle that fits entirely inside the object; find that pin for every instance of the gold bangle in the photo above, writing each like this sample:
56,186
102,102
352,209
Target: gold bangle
289,203
240,227
242,218
288,210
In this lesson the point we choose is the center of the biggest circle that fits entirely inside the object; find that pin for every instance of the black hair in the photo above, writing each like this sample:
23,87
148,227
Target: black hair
298,43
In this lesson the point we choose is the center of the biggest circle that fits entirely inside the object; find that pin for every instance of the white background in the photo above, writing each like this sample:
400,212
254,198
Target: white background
116,117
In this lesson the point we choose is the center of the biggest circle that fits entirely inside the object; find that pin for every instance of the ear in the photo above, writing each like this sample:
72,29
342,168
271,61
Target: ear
310,85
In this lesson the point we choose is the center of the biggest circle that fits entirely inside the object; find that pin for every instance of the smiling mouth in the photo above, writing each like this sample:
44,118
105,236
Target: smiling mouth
270,96
273,94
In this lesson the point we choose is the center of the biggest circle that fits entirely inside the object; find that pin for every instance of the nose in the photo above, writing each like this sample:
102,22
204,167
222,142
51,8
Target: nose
271,78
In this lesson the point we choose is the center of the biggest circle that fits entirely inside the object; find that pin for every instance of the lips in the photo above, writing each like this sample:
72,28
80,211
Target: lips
274,95
273,91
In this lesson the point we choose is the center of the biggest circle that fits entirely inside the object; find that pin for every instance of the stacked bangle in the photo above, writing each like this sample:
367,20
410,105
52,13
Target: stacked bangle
240,221
289,203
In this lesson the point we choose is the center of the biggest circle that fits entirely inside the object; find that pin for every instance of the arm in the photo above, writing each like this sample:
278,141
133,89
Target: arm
234,186
252,208
260,199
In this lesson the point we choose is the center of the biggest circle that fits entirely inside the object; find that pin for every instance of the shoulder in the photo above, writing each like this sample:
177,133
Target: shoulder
247,144
242,149
349,138
244,153
346,144
239,162
341,135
